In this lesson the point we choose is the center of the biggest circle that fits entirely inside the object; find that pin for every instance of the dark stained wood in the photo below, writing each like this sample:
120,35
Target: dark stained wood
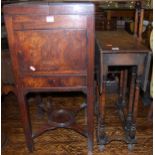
90,82
47,8
141,24
52,49
8,88
106,17
119,49
25,22
124,58
136,23
150,113
121,83
6,68
132,92
137,91
36,50
126,47
125,12
119,39
42,9
103,102
121,13
37,82
125,83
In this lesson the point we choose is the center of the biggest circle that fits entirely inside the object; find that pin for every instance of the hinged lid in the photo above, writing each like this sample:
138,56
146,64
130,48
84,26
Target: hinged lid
47,8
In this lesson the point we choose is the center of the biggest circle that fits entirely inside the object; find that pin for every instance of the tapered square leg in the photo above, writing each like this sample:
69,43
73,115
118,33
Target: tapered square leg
25,119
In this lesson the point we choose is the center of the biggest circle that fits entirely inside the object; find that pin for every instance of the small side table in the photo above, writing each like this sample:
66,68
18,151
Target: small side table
118,48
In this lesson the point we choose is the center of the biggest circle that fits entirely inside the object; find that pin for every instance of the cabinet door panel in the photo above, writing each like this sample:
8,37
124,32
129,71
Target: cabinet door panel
55,51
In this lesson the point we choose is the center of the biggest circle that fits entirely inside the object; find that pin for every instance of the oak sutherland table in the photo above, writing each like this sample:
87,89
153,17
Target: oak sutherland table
124,51
52,49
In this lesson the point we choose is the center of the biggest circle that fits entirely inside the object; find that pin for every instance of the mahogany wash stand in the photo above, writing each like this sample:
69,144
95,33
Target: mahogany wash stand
52,50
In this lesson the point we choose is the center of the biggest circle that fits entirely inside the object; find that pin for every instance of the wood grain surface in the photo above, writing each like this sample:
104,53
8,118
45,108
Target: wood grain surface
119,40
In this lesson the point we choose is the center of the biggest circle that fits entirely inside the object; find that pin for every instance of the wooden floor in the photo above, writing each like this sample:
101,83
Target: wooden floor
67,142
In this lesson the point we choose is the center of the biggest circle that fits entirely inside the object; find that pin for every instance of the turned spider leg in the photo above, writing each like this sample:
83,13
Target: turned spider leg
102,138
136,100
124,88
124,91
102,104
121,86
121,102
130,125
96,104
121,83
132,88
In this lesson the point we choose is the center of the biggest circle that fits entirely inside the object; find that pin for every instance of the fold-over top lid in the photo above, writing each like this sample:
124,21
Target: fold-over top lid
47,8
